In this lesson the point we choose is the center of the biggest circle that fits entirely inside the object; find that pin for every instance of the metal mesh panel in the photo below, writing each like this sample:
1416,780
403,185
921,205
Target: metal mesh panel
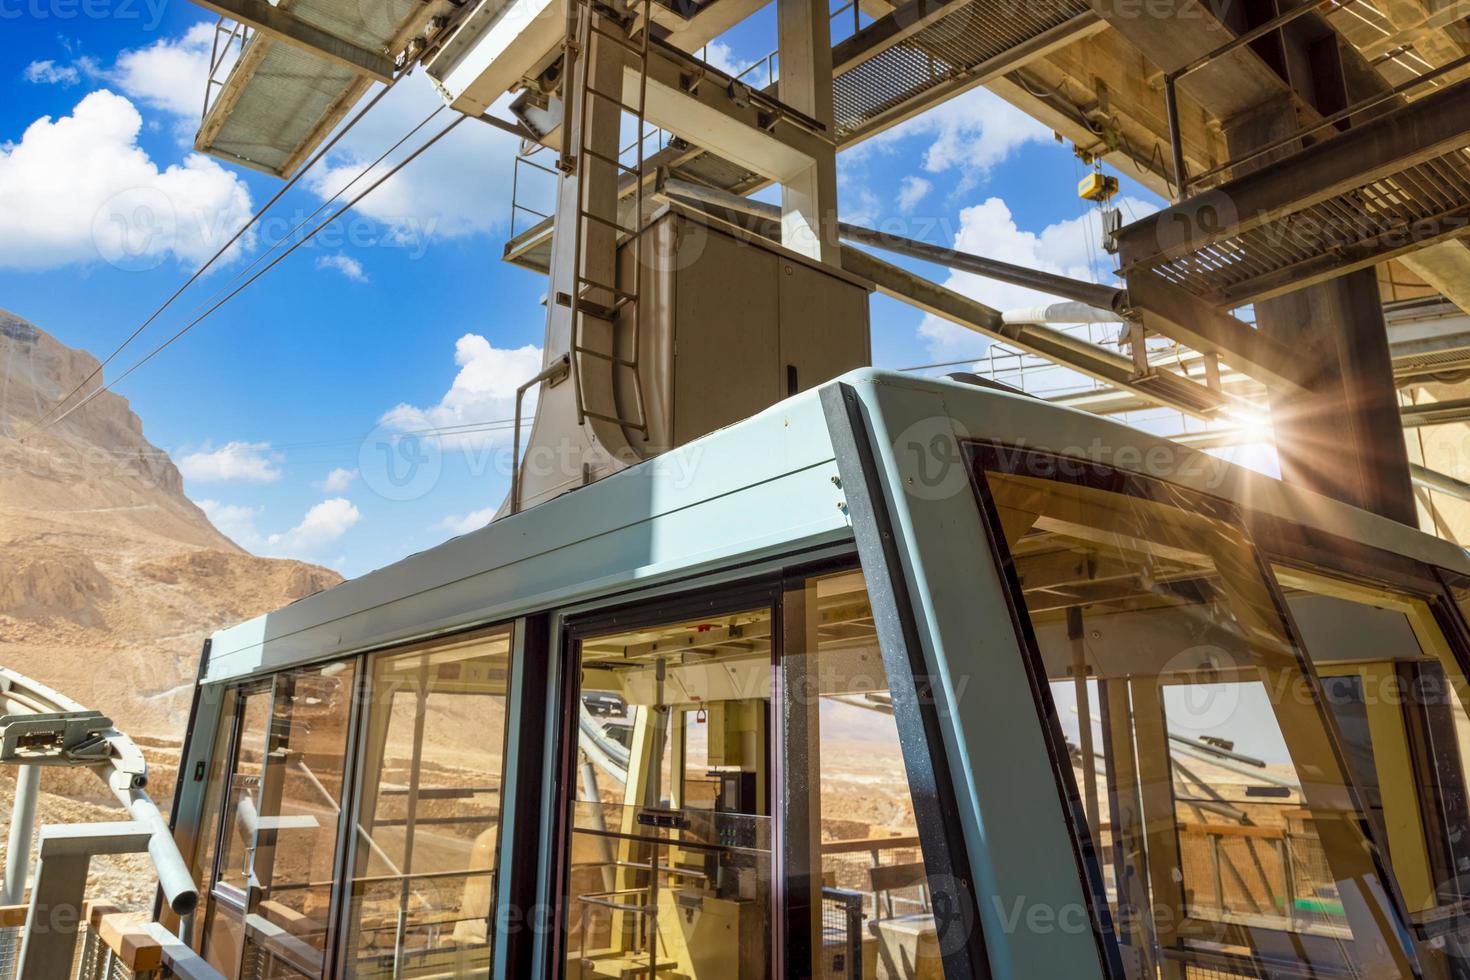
289,96
9,952
1193,972
948,48
1416,202
842,935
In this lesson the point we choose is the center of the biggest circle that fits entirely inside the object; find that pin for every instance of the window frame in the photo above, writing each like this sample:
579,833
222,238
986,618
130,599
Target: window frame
269,685
984,455
726,591
1332,556
763,591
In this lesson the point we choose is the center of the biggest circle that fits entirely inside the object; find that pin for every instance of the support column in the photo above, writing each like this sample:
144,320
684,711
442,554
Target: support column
22,828
572,441
809,200
1343,438
49,938
798,787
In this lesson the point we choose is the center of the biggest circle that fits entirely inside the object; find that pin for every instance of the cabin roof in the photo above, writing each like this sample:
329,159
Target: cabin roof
752,492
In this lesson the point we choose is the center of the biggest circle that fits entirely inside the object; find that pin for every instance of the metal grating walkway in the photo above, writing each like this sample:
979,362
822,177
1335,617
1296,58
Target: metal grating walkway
1415,207
947,50
1387,187
880,77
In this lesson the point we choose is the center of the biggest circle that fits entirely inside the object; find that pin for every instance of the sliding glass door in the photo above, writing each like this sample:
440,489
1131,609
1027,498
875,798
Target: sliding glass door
736,796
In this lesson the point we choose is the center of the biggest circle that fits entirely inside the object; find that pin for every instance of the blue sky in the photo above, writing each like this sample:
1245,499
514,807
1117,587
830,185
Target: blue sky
406,317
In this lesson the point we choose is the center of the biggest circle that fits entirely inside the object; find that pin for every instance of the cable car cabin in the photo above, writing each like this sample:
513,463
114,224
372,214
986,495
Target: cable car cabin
898,678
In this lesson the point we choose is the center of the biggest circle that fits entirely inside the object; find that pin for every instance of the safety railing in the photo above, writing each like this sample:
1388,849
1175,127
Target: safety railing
230,38
110,945
12,921
1183,181
842,935
771,63
1260,874
39,728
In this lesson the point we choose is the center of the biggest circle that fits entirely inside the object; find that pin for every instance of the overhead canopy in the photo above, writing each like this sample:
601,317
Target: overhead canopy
304,65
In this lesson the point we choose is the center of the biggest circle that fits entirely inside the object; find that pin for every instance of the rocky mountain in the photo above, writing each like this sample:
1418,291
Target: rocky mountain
110,577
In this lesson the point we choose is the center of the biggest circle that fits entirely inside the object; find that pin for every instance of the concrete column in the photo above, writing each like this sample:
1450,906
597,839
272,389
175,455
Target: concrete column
22,827
809,200
63,854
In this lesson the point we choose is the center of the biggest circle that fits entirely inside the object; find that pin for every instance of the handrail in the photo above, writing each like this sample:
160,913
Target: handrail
862,844
40,727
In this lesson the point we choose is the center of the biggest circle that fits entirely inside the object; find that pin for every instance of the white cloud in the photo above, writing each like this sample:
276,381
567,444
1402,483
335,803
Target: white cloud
723,57
79,188
1071,248
323,525
483,391
455,188
350,268
50,73
971,134
170,73
911,191
247,462
336,481
465,523
234,521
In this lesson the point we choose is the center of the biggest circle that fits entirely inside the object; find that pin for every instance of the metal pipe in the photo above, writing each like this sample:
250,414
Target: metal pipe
1176,137
1052,313
1090,293
22,829
90,740
559,366
1442,482
174,878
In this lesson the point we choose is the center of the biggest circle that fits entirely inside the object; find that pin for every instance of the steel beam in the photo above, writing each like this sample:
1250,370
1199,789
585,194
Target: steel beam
1173,312
1158,387
1435,413
281,25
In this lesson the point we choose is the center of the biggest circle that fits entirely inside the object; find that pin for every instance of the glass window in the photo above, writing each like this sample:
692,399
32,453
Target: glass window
270,906
1396,690
207,835
876,918
428,830
1201,758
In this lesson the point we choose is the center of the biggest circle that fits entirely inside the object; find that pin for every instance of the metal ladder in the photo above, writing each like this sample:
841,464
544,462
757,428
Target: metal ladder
574,163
